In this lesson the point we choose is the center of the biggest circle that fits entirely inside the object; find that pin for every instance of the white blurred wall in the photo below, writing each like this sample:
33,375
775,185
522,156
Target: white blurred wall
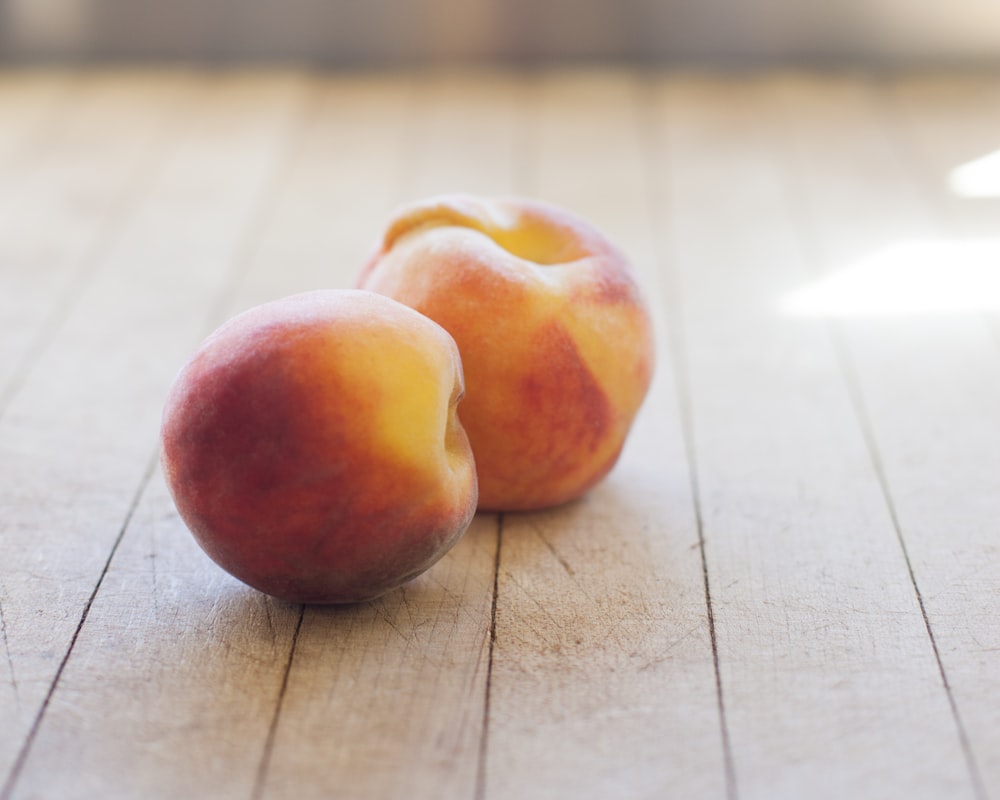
372,32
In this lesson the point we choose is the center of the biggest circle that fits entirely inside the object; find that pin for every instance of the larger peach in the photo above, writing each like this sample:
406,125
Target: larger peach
555,337
311,444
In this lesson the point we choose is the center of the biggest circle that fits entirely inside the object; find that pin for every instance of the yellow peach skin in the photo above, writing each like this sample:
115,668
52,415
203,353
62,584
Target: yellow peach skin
312,446
555,338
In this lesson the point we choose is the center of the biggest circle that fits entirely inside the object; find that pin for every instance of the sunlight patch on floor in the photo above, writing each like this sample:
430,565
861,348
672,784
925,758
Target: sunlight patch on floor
915,277
977,178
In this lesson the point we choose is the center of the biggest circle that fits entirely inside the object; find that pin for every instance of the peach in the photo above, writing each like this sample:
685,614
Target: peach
312,446
555,337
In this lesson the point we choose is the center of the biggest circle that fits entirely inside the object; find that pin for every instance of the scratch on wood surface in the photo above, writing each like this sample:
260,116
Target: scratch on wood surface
542,607
407,606
555,553
387,618
152,567
665,655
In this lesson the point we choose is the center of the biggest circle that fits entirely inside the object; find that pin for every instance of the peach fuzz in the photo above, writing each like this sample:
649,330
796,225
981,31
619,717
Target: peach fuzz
312,446
555,337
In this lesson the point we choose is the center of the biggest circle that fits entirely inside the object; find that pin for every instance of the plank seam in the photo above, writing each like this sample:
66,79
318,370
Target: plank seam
675,336
813,253
22,756
299,121
864,422
888,113
480,793
265,760
296,123
684,401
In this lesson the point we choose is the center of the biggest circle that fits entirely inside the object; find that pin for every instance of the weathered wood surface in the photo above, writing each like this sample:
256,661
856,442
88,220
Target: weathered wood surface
789,586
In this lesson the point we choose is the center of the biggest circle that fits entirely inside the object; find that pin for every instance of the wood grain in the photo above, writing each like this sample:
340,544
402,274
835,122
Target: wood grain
73,157
786,588
33,103
602,683
819,629
86,421
390,696
939,437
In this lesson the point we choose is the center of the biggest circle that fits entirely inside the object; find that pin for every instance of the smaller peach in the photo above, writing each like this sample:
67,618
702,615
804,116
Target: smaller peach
312,446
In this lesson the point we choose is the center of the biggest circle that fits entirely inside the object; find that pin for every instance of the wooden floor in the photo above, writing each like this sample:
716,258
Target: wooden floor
789,587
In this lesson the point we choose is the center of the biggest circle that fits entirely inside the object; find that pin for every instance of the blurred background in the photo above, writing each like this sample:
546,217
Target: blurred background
375,33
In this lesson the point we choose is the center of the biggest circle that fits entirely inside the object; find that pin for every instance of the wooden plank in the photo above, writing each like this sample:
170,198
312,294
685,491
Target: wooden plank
948,127
472,137
77,175
929,383
388,698
839,467
30,102
335,191
341,167
602,682
949,123
830,684
76,441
